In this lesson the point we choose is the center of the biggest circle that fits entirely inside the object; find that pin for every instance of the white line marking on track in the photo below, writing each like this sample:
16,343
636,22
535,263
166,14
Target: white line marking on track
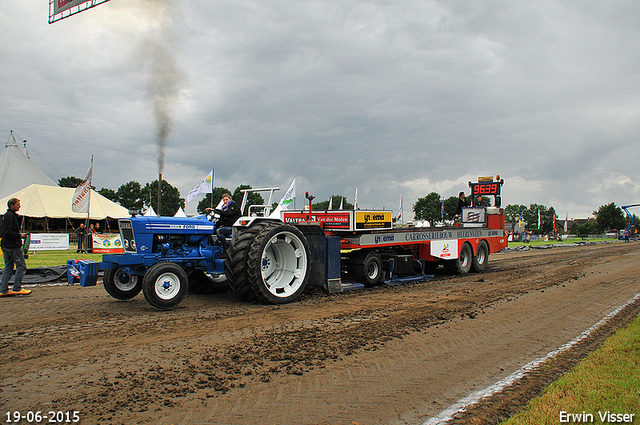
464,403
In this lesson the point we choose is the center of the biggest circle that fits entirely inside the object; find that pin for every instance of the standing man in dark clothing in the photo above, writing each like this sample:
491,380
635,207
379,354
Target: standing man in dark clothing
229,212
12,251
81,233
462,202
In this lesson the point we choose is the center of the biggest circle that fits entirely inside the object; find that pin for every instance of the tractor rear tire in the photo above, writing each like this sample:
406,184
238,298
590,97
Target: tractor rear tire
121,284
367,269
481,258
165,285
462,264
278,263
235,265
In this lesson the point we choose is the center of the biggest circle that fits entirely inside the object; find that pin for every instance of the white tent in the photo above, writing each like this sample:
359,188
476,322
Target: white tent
17,171
39,200
150,212
180,213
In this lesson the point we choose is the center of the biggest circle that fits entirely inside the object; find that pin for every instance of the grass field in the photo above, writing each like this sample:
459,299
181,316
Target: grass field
57,258
606,382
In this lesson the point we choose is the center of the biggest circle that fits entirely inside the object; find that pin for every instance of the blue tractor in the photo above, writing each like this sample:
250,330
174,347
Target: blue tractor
164,257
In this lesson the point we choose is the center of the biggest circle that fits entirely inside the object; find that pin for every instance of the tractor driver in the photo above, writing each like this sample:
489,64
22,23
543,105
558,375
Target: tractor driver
229,212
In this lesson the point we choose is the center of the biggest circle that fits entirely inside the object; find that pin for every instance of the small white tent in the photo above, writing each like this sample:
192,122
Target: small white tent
150,212
17,171
180,213
38,200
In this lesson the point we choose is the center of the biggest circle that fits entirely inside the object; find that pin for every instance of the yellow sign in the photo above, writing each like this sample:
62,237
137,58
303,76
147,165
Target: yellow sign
485,179
373,220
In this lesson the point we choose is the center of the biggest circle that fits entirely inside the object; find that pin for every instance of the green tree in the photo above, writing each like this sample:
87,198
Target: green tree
69,181
590,227
428,208
335,203
110,194
450,205
171,199
610,217
131,196
254,198
217,196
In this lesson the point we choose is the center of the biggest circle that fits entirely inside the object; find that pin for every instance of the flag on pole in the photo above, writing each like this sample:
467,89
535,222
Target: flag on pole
355,203
519,219
205,186
341,203
554,222
442,210
539,220
82,195
566,225
286,200
400,207
330,203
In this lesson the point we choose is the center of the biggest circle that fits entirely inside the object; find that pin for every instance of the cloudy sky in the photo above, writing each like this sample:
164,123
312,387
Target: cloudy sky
394,97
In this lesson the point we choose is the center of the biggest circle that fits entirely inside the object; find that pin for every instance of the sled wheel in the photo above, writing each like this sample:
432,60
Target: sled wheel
235,265
205,283
165,285
462,264
278,263
368,271
481,258
121,284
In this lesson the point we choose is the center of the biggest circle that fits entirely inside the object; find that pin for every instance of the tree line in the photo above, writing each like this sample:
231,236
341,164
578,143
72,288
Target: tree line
538,218
432,208
133,195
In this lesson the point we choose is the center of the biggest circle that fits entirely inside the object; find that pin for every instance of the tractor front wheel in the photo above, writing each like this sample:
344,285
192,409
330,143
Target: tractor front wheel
121,284
165,285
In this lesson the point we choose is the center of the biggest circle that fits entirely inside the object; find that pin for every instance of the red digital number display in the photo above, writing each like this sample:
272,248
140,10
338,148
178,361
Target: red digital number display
486,189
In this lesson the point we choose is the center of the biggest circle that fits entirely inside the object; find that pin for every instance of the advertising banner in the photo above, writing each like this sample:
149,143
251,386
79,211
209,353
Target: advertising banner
107,244
337,220
49,241
474,215
447,250
60,9
62,5
373,220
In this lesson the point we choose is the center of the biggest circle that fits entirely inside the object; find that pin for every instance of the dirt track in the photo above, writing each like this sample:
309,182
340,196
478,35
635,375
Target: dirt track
391,355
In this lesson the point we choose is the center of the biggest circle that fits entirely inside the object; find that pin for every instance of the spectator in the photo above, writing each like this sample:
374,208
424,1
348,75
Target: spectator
12,251
81,232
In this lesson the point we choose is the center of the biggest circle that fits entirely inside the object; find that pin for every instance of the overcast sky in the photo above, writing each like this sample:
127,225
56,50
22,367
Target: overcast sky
411,97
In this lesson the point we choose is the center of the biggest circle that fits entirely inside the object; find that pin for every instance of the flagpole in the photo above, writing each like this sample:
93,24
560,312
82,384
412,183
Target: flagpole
86,225
89,200
212,181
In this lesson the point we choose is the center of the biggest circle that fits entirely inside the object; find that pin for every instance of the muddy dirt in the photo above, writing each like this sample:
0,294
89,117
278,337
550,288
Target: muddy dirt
387,355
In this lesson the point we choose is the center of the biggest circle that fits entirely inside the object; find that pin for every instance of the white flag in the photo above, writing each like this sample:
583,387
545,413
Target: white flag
286,200
205,186
330,203
341,203
80,201
566,223
355,204
400,207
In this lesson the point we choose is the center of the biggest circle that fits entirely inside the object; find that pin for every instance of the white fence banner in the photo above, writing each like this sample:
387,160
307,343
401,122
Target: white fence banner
49,241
